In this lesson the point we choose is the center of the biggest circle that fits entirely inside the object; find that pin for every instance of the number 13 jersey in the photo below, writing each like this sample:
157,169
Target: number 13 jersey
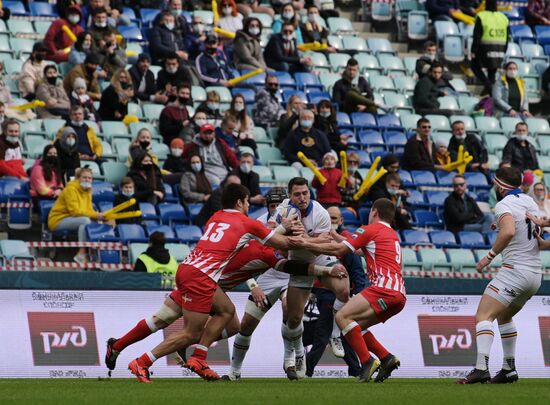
225,234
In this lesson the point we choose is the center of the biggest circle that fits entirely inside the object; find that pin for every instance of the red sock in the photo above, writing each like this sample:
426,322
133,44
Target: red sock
200,352
139,332
375,346
145,360
352,333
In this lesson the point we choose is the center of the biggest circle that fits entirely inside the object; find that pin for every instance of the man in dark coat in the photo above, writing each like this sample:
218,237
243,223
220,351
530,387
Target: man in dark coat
460,210
420,150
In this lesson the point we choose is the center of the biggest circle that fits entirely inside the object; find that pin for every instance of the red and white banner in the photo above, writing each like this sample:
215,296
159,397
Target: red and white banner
62,334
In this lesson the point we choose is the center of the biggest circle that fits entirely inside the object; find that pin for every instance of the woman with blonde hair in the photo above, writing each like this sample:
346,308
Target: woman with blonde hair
289,120
142,143
244,130
115,98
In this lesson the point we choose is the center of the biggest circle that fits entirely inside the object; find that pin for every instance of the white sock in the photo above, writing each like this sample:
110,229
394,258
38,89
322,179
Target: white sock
151,357
240,347
484,340
508,337
287,340
335,308
151,324
297,342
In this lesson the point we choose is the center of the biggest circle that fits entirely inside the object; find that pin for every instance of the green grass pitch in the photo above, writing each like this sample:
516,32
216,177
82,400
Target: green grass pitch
269,391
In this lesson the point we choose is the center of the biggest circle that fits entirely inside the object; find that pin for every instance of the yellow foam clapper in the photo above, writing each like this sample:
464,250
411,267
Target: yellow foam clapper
303,158
248,75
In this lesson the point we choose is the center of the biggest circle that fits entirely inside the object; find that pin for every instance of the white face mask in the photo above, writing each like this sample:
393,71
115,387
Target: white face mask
334,227
254,31
77,123
71,142
86,46
170,26
74,18
238,107
521,137
127,193
391,191
512,74
245,168
196,167
198,28
288,37
85,184
460,137
227,10
12,139
288,15
171,70
540,197
325,114
102,24
313,18
177,152
200,122
430,56
213,106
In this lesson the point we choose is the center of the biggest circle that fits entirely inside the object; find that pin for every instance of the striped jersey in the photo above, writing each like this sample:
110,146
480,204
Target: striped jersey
382,250
226,233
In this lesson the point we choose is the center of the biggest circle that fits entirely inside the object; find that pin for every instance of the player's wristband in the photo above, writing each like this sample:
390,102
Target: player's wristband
251,283
321,270
281,230
491,255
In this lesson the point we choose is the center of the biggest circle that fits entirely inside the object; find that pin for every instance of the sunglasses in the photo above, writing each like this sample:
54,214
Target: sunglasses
273,84
426,127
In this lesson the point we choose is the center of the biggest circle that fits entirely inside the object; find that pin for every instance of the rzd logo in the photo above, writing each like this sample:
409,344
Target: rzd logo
63,338
447,340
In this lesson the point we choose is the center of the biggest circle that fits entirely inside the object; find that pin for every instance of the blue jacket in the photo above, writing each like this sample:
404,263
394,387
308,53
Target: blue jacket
313,144
229,139
194,45
162,41
212,69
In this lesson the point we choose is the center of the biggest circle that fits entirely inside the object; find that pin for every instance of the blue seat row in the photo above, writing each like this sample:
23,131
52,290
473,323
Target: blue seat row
446,239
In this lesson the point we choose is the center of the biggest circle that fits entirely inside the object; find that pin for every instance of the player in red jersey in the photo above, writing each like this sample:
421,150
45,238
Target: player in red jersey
226,233
384,298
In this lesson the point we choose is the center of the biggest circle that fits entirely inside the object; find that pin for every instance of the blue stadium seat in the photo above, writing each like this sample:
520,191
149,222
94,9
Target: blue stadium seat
471,240
315,97
188,233
131,33
287,93
172,213
522,33
248,94
380,45
193,210
436,199
364,158
169,195
364,215
101,233
370,138
406,178
445,178
395,140
286,81
349,216
148,15
388,121
416,198
412,237
42,9
543,34
343,119
424,218
306,81
477,180
131,233
363,120
491,237
423,178
148,212
102,191
376,153
443,239
257,213
165,229
16,7
15,250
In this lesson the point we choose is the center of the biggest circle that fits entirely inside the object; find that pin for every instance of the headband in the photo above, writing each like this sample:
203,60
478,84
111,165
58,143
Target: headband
503,185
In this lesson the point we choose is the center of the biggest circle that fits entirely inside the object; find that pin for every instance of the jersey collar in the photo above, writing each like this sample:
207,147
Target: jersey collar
515,191
230,210
308,209
384,223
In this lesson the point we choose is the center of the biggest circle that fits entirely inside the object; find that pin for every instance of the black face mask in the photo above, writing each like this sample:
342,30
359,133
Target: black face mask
144,144
39,57
183,100
90,70
211,51
172,98
52,80
146,166
52,160
125,86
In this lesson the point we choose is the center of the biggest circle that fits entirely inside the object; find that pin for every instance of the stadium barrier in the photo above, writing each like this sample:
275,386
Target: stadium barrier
62,334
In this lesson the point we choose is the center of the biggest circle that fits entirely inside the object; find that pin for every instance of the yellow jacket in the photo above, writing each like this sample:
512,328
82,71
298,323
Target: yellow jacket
74,201
94,141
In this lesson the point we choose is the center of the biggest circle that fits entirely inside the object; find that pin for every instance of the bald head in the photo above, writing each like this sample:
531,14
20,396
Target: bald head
336,219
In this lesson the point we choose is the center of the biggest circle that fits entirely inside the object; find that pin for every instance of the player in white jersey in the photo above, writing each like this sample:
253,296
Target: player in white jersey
315,221
516,282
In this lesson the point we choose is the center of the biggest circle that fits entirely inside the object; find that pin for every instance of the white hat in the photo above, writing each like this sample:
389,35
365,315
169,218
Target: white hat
331,153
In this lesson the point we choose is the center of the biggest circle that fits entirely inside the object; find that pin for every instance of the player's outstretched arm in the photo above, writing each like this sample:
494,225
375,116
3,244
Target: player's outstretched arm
298,268
542,222
278,241
507,230
543,244
327,248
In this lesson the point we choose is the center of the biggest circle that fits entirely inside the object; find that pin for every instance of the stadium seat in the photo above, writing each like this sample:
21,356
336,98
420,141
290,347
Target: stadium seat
363,120
445,178
15,250
165,229
508,124
283,174
338,61
15,7
497,261
423,178
259,212
129,233
388,121
406,178
439,123
193,210
380,83
264,172
20,27
412,237
488,125
467,103
410,259
188,233
543,34
418,25
270,155
101,233
409,121
339,25
453,48
42,9
429,219
522,33
178,251
394,140
416,198
448,103
471,240
135,250
495,143
392,65
368,64
172,213
315,97
148,15
462,259
364,158
148,212
114,172
405,84
443,239
356,44
380,45
538,126
434,260
102,191
477,180
371,139
444,29
349,216
436,199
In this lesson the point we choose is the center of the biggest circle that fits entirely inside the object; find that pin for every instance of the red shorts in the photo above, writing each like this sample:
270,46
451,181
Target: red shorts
385,303
195,288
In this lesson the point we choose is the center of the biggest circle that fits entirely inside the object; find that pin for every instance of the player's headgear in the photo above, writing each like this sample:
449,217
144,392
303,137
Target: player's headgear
508,178
275,195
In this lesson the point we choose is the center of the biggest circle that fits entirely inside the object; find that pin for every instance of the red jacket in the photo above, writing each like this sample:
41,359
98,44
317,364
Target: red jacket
56,40
329,193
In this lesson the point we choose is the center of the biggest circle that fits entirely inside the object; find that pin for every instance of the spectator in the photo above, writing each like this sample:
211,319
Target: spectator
214,203
442,10
471,144
175,163
195,186
509,95
46,179
249,178
390,162
156,259
312,142
325,121
174,117
354,182
113,56
212,64
51,91
115,98
281,52
100,27
420,150
246,7
175,7
83,46
268,106
147,179
170,76
426,93
392,191
80,97
88,72
352,92
5,92
211,107
141,144
537,13
328,194
528,179
519,151
165,40
247,51
288,16
127,192
194,40
244,128
73,209
67,153
289,121
218,158
144,81
89,145
424,63
32,71
488,48
230,20
492,193
57,40
442,155
460,210
313,30
189,131
11,157
114,11
540,194
226,132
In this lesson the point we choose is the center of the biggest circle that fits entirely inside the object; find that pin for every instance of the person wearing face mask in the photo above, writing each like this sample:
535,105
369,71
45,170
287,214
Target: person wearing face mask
354,183
212,64
243,131
230,20
89,145
112,55
115,98
471,144
392,191
249,178
127,192
32,71
312,142
165,39
141,144
175,164
211,108
352,92
425,61
195,39
329,194
82,47
88,72
519,151
325,121
56,40
149,186
175,117
170,76
247,51
189,131
268,107
100,26
313,29
73,209
195,186
51,91
80,97
67,153
11,157
288,15
281,52
509,94
540,195
46,180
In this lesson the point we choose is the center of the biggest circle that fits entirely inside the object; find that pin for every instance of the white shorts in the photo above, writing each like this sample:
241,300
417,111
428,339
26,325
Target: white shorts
274,285
514,286
307,281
